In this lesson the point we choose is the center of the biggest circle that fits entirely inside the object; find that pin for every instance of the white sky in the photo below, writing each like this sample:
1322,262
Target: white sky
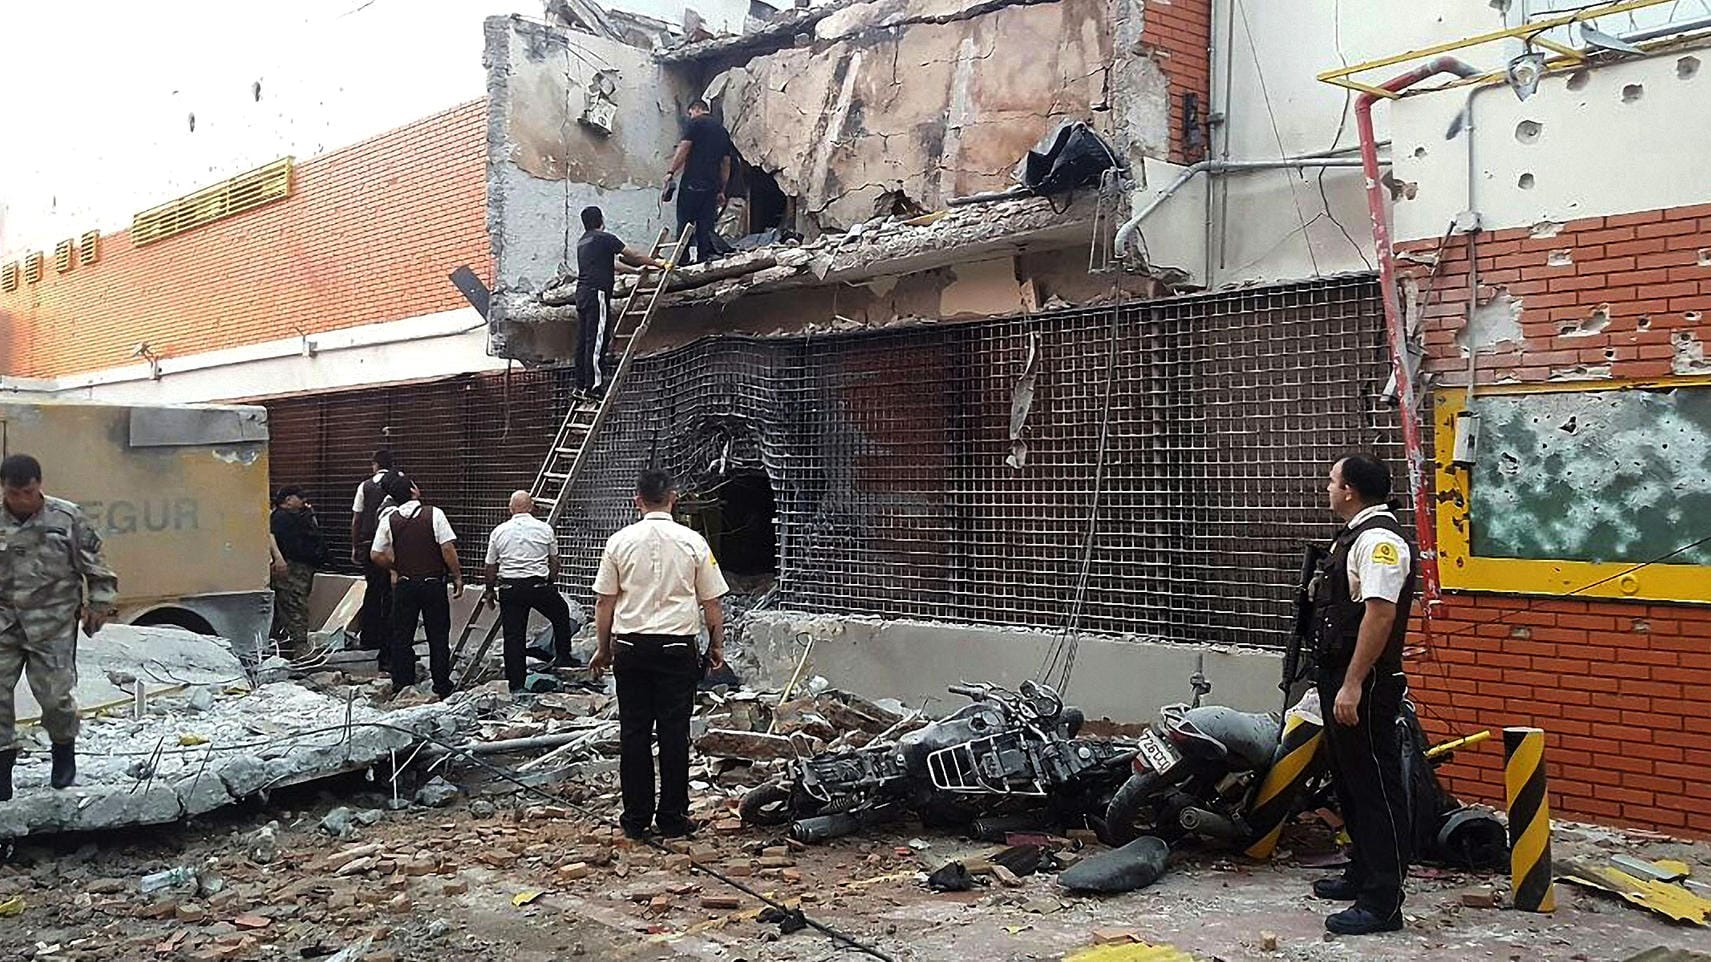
100,94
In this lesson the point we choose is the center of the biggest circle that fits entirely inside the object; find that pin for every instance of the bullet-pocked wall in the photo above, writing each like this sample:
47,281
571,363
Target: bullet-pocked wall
1574,543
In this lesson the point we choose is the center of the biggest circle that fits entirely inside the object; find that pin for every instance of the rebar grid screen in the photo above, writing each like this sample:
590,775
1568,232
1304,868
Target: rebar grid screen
886,452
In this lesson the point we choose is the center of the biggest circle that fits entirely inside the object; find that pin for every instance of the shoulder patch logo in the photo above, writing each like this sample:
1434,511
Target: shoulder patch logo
1384,553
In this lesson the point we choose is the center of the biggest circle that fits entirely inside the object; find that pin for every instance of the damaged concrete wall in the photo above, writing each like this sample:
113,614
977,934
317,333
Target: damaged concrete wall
1614,138
906,104
548,157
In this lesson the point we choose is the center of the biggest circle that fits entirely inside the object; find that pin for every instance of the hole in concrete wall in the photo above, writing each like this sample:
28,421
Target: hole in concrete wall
1527,131
1644,323
1579,79
769,206
1525,182
1419,151
737,515
1633,92
1686,67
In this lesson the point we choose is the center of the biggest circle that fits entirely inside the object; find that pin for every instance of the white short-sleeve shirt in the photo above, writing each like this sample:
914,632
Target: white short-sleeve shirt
521,547
383,535
660,572
1379,562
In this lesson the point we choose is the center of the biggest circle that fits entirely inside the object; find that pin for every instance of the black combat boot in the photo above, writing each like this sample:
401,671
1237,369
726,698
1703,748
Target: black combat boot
8,758
64,765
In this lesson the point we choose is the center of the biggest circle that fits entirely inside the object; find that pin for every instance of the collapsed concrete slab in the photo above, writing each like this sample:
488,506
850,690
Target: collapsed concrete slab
161,658
900,105
177,763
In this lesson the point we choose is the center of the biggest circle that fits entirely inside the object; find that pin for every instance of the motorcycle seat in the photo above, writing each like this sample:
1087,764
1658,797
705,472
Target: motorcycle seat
1251,737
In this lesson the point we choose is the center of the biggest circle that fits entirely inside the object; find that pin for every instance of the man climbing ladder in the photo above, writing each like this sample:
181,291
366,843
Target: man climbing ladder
597,254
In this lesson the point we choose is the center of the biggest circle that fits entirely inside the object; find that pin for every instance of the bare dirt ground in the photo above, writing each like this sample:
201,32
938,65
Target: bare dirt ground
444,885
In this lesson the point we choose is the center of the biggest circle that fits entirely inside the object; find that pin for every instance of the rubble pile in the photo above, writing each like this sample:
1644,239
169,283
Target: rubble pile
208,747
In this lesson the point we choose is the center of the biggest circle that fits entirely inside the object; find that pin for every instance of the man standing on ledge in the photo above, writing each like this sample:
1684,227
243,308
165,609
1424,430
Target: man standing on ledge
704,157
522,576
52,577
653,576
1361,600
597,257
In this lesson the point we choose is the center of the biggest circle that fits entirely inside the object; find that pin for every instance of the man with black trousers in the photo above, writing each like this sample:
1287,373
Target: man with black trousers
416,542
703,155
658,581
1361,597
597,255
376,617
522,576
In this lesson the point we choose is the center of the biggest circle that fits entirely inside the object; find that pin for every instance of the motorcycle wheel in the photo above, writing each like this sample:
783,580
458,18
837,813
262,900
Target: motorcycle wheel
1123,817
767,804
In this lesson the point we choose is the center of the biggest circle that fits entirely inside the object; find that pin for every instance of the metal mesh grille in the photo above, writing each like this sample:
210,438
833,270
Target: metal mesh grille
886,453
468,441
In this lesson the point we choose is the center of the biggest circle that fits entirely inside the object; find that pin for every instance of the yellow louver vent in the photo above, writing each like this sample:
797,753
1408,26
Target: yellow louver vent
62,252
246,191
9,277
88,247
33,266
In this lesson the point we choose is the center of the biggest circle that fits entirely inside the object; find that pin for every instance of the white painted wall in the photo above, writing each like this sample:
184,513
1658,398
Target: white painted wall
417,348
1635,135
1273,225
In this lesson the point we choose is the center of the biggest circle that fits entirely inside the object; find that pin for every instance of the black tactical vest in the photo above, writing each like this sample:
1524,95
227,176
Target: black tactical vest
1337,617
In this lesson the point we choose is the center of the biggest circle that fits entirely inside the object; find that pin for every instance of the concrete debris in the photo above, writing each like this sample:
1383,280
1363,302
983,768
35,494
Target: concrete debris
438,793
881,249
146,772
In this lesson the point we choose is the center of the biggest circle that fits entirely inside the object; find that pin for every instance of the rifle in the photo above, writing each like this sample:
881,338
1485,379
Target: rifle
1295,666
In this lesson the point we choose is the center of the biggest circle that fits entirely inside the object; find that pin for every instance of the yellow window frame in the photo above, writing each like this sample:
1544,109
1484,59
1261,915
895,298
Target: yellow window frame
1460,569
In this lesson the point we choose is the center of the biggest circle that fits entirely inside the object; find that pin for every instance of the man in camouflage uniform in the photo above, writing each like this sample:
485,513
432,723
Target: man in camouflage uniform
302,549
51,577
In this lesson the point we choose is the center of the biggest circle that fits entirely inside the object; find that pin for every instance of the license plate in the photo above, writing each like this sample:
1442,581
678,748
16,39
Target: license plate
1158,753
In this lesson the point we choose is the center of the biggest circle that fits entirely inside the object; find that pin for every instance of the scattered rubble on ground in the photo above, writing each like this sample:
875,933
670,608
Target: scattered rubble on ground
494,842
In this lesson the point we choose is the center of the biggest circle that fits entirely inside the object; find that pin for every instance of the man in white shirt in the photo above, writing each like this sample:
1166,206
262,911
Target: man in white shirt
658,580
376,619
416,542
1361,598
522,576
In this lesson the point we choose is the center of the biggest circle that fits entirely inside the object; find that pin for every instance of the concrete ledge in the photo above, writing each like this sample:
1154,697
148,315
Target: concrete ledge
1123,679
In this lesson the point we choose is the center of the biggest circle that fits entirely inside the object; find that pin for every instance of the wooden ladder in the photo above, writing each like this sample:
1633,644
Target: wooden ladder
571,448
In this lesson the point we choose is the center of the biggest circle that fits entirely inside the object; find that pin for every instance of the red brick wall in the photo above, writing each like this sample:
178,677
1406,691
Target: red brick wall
1179,33
1619,686
369,234
1649,273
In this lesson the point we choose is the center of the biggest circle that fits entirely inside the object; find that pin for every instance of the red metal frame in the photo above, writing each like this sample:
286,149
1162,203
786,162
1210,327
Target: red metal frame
1425,533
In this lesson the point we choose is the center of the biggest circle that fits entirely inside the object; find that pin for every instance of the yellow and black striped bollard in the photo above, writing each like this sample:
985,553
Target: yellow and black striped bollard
1275,800
1529,819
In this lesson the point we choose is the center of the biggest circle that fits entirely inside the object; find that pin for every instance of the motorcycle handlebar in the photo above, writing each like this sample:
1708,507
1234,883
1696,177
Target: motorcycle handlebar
968,691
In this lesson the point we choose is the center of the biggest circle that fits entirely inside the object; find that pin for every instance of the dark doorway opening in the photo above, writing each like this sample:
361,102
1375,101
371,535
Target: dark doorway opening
738,517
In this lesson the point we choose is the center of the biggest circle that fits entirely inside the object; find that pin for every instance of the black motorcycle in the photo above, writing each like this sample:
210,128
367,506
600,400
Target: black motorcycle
1235,778
1005,753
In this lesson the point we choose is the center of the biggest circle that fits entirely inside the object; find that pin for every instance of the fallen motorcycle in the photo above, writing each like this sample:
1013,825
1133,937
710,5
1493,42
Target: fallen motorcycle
1005,753
1235,778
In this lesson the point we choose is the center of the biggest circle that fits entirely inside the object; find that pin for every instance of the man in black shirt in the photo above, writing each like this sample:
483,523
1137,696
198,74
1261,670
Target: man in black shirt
302,548
596,272
704,156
